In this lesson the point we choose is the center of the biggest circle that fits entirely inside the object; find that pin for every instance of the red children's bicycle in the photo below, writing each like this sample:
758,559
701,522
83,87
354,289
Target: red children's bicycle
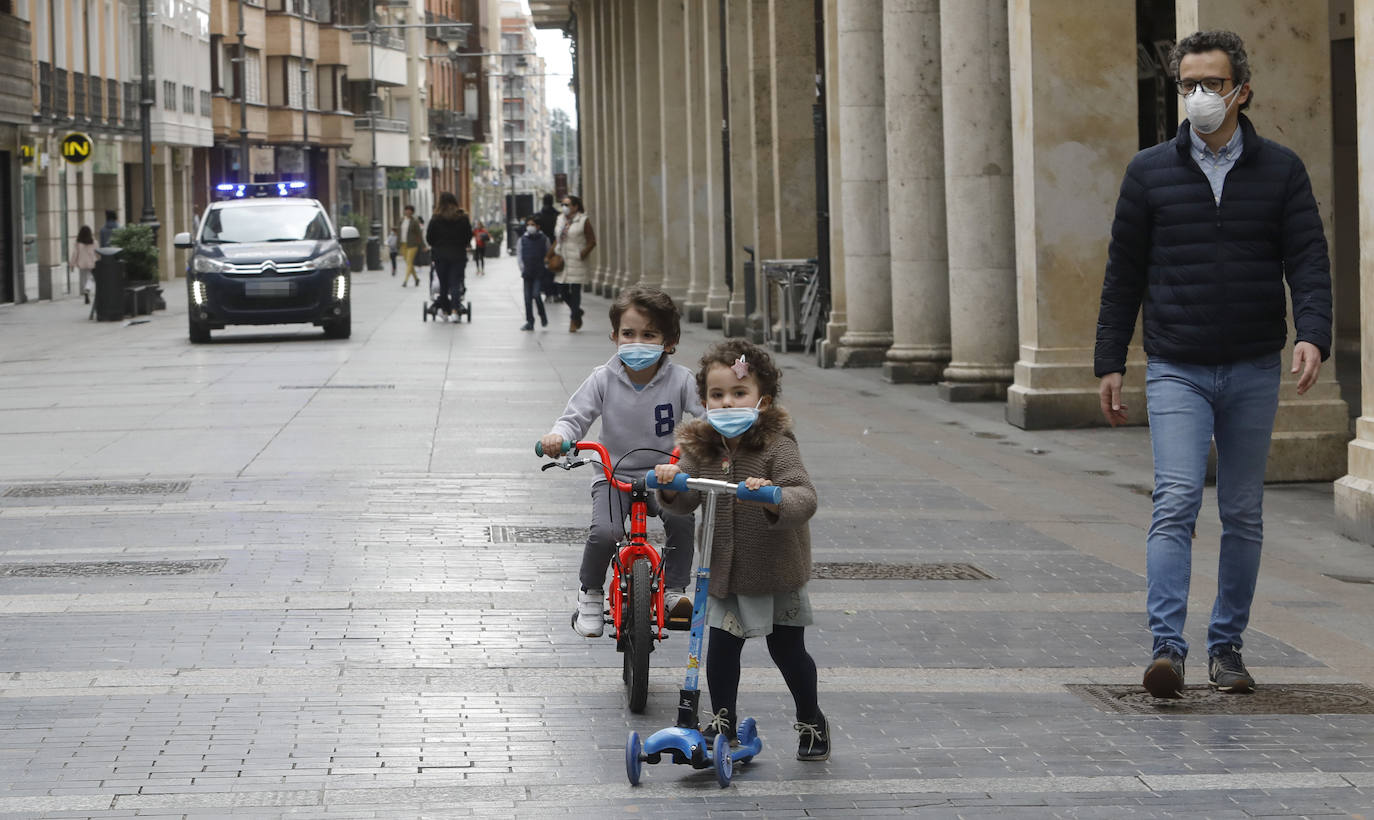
635,595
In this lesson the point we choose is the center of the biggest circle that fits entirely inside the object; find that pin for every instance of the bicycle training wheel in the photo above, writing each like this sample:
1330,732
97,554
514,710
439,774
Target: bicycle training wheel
639,632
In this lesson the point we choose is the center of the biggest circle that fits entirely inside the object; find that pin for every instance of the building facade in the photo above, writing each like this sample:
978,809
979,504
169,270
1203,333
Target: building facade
957,196
16,110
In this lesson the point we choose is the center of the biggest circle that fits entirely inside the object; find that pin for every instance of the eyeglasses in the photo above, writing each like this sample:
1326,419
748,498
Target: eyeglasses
1212,85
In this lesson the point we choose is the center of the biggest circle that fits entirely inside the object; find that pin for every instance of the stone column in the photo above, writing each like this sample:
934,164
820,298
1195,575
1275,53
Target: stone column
650,168
699,133
979,211
827,350
631,209
675,210
1289,46
739,37
717,294
589,123
863,191
915,192
793,64
765,227
1355,491
604,149
1069,151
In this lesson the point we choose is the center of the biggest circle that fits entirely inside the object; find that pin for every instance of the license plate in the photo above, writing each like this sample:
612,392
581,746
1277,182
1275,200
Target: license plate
269,290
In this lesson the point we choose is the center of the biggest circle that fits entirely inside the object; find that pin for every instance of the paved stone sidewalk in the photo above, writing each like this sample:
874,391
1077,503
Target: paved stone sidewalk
365,585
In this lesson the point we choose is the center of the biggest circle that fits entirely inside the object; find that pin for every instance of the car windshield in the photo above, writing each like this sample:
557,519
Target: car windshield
286,222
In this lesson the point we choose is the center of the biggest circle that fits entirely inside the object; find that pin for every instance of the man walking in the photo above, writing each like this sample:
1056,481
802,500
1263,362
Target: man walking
1207,228
412,239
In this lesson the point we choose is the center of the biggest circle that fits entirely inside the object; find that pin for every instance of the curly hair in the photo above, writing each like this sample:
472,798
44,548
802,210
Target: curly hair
1227,42
656,305
726,353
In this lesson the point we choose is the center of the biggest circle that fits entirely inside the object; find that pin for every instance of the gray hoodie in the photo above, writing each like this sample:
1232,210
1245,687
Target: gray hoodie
632,418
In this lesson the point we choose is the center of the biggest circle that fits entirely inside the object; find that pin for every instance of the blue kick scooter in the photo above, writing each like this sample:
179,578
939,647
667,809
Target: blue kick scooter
685,743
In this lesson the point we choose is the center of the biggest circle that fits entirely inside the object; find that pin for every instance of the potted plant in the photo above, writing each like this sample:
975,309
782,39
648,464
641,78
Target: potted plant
139,253
493,248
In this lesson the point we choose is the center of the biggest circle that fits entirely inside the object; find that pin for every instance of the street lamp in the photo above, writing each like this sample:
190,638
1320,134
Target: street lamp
145,106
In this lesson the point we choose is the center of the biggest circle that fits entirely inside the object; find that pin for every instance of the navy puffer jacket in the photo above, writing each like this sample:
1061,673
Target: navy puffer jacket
1211,276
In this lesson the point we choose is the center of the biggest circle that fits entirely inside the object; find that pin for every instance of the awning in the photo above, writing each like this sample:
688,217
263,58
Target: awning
555,14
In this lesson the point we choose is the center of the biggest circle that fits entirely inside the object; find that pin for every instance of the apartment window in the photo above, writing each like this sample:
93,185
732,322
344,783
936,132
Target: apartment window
253,63
216,57
205,107
169,95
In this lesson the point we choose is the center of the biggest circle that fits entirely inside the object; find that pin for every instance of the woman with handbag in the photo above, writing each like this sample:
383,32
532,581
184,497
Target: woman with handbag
83,258
568,258
449,234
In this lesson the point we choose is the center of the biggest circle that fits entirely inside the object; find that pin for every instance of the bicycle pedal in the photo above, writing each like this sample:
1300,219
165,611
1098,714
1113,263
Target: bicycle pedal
679,624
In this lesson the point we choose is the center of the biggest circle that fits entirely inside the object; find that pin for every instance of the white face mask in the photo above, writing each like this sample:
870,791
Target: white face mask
531,229
567,210
1208,111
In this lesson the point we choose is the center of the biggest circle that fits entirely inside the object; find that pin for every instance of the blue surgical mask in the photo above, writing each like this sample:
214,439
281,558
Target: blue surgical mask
640,356
732,422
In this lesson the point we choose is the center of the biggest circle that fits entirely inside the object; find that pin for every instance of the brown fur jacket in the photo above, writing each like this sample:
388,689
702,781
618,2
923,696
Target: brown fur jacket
755,551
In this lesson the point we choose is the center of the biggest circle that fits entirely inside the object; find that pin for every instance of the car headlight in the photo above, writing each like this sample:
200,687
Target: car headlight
340,287
325,261
198,293
209,264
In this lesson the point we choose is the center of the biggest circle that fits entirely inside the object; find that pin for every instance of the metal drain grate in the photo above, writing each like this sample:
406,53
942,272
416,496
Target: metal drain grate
899,572
536,535
338,387
89,569
98,488
1272,699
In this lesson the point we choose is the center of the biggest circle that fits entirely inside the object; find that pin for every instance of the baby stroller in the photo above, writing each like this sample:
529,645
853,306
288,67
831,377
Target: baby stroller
461,307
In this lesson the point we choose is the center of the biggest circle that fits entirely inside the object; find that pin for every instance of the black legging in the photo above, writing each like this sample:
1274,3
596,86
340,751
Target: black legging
572,297
451,287
787,647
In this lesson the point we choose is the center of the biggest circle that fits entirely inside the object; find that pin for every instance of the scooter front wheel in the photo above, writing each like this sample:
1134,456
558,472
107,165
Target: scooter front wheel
634,761
725,765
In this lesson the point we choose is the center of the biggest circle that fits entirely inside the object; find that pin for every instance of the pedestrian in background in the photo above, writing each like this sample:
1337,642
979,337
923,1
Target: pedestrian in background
548,218
530,253
449,235
107,230
480,238
393,244
576,240
83,259
1208,227
761,559
412,238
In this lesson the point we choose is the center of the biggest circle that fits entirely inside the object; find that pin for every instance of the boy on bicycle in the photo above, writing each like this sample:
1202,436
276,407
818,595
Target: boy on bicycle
640,397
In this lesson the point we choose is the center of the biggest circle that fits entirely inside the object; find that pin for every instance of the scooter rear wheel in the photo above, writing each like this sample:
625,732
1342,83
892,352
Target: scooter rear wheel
639,631
634,761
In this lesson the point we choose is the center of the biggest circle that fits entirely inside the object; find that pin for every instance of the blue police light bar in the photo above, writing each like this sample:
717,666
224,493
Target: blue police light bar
240,190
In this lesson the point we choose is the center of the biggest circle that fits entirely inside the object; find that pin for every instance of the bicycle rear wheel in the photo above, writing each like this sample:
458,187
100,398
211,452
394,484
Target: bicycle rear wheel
639,633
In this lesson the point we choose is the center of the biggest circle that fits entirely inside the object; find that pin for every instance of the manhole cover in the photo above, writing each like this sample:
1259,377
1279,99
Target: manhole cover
898,572
104,568
1273,699
98,488
537,535
338,387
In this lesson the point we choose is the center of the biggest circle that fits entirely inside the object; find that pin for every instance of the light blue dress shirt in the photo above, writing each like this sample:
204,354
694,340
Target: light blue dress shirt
1217,165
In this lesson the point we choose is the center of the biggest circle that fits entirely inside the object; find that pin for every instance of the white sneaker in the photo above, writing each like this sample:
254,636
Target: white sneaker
677,605
589,620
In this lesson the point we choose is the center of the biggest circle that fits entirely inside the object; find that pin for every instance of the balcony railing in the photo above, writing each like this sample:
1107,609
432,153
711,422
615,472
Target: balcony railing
78,95
382,123
383,38
454,125
112,102
45,90
60,109
440,29
95,94
131,116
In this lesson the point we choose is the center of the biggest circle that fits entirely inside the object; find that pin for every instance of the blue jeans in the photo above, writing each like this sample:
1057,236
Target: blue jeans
1190,405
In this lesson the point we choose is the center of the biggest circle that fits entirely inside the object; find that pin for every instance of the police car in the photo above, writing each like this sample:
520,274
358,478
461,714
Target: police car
266,254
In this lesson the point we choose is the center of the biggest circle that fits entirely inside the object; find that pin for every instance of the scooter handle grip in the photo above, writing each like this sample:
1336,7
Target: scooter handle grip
678,484
539,448
771,494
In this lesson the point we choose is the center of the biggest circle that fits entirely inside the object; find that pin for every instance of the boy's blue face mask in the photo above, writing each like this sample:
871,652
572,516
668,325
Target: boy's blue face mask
732,422
639,355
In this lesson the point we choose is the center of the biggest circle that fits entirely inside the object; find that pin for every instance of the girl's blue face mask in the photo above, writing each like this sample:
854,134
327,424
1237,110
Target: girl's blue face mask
733,422
640,355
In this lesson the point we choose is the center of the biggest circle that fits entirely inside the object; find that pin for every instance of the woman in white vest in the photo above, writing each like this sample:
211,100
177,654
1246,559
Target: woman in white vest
574,241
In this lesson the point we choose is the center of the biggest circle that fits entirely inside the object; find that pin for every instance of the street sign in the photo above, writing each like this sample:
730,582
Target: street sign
76,147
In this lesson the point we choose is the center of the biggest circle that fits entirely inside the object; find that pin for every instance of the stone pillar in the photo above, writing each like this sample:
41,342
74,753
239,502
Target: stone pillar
631,210
863,191
827,350
699,133
718,293
793,64
675,212
915,192
739,36
1069,152
589,123
1355,491
615,143
979,210
650,168
766,205
1289,46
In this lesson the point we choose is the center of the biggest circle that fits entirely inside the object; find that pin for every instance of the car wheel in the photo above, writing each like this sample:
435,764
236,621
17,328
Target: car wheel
199,332
340,328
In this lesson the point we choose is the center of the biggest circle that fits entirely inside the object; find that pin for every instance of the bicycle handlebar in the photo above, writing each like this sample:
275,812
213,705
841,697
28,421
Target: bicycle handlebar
596,447
568,446
771,494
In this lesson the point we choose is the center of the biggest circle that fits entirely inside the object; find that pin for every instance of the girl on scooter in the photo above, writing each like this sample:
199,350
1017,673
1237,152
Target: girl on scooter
761,558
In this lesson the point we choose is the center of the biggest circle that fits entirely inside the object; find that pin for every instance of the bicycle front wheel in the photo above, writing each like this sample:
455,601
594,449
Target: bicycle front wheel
639,632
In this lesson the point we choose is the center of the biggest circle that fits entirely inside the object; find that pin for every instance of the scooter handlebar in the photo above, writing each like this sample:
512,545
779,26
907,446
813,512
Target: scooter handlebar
539,448
770,494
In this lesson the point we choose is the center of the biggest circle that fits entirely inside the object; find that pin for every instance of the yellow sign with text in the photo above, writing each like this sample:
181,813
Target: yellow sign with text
77,147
